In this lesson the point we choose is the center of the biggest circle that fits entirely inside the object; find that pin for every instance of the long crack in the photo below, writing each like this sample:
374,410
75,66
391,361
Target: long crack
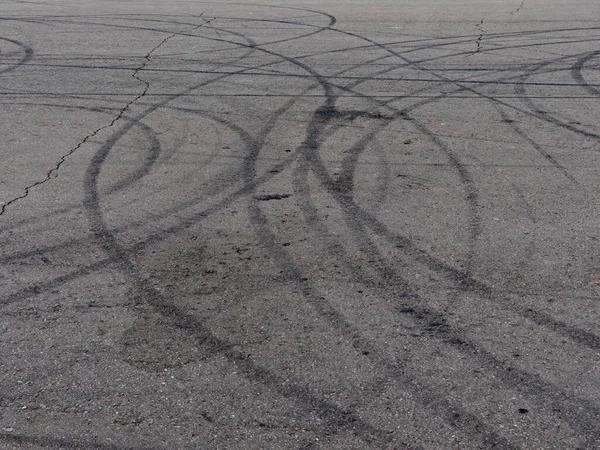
52,173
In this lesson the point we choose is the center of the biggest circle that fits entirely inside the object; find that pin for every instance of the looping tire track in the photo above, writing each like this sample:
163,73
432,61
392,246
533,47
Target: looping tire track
182,320
120,256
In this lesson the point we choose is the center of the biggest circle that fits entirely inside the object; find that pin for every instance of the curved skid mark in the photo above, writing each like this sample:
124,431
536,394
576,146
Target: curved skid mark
428,397
578,77
184,205
427,100
453,272
321,118
418,66
342,194
28,54
339,419
116,251
409,302
111,244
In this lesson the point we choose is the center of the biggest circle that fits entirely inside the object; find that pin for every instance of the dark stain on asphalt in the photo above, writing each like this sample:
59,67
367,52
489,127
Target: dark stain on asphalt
267,197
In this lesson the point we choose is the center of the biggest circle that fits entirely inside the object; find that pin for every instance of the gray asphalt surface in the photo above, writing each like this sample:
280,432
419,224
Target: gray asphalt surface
300,225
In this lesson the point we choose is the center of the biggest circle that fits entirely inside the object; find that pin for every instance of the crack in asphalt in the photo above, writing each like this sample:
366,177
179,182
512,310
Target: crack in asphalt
53,173
519,8
482,33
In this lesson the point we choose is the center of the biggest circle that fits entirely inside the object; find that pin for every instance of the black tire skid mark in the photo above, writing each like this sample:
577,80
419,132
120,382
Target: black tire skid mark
470,186
253,150
250,49
473,285
332,22
468,38
343,188
213,188
410,303
319,29
53,172
310,213
460,84
320,118
281,74
154,152
359,47
545,116
464,39
35,289
463,279
383,179
343,419
240,192
418,66
152,108
260,220
352,421
150,160
468,283
537,147
578,76
351,114
523,381
27,55
65,210
548,117
21,19
471,194
175,210
492,363
152,155
429,398
106,237
338,418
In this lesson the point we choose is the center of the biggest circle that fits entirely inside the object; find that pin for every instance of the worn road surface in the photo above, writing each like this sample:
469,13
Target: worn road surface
300,225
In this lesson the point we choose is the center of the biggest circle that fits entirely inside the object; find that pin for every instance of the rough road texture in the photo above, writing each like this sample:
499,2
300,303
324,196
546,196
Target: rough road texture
328,225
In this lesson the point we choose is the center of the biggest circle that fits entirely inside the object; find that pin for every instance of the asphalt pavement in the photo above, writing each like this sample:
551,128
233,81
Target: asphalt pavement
300,225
